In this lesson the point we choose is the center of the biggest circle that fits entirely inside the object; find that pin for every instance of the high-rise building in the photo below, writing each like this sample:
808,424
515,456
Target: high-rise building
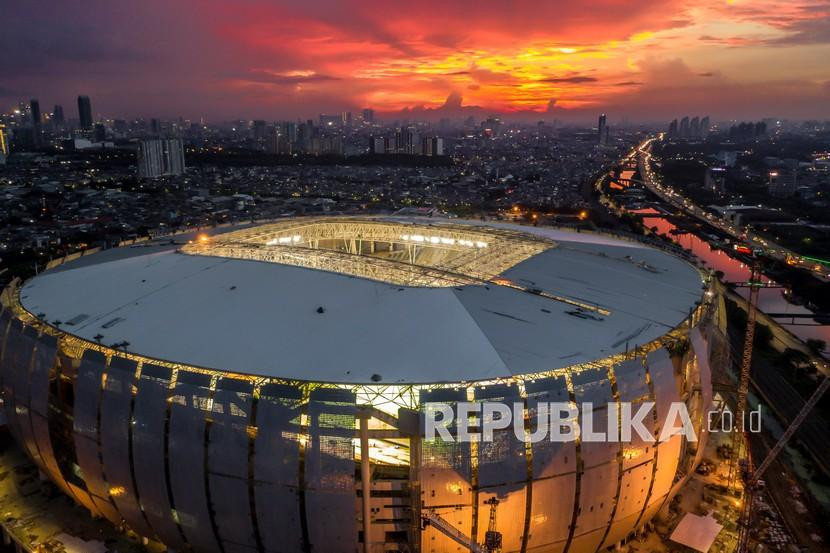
346,119
408,142
683,132
258,128
368,115
155,127
288,130
85,112
602,135
433,146
160,157
694,127
278,142
377,145
100,132
673,129
714,179
305,136
783,181
58,119
37,121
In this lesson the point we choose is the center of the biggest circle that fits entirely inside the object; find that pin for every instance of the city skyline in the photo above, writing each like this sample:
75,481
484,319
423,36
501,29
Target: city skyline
647,62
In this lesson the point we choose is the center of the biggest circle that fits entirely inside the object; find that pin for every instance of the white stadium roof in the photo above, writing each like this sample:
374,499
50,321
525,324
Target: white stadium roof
262,318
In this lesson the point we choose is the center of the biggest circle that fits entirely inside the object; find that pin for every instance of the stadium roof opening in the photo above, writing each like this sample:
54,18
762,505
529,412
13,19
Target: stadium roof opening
406,254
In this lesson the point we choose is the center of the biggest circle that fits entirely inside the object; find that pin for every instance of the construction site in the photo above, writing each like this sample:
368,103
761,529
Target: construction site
262,388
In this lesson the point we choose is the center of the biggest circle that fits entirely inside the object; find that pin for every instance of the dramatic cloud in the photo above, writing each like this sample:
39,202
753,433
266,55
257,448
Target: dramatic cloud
576,79
280,58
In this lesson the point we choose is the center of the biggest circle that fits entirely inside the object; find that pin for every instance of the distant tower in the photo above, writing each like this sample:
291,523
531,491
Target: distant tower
694,127
258,127
602,135
432,146
85,112
684,127
368,115
377,145
58,119
673,128
37,121
409,142
438,146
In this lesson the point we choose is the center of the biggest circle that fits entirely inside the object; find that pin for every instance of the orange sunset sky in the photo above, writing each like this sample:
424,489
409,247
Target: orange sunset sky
645,60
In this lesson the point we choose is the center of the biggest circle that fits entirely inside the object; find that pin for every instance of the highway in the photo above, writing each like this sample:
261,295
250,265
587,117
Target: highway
741,235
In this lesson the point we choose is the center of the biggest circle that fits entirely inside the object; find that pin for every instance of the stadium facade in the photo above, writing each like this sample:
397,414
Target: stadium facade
241,391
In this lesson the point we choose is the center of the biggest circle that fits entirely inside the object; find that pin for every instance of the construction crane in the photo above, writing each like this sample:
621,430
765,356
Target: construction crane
430,517
752,479
754,285
492,539
782,441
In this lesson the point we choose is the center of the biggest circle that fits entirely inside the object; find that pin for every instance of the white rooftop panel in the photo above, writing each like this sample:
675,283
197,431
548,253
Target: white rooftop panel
262,318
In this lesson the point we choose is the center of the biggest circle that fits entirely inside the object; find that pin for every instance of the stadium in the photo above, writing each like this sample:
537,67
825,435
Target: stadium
259,387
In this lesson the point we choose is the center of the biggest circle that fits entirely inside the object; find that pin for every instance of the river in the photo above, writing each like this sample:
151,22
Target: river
770,300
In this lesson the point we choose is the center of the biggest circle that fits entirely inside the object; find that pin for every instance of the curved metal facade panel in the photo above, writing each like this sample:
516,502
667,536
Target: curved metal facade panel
661,369
88,389
5,321
701,348
446,479
116,416
276,468
633,388
228,465
663,381
9,369
211,465
23,369
150,413
502,474
632,384
634,490
42,365
554,474
30,337
637,453
16,386
329,471
599,481
186,458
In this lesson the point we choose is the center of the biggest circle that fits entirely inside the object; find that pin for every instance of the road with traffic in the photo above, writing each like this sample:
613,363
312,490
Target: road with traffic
741,235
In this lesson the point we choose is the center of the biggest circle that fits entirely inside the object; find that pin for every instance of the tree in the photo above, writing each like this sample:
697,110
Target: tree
790,358
816,346
763,336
